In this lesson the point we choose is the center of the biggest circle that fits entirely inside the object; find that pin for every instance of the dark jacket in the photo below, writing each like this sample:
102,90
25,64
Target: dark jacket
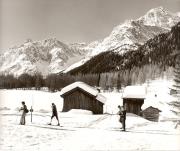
122,115
54,109
24,108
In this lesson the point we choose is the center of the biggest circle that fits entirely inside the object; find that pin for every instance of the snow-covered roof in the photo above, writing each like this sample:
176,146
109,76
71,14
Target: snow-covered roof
151,108
152,103
91,90
101,98
81,85
134,92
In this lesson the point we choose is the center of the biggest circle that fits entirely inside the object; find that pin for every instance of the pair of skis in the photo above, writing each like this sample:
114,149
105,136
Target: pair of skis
53,125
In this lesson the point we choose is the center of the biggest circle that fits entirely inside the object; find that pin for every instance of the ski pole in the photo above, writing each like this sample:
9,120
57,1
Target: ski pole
31,110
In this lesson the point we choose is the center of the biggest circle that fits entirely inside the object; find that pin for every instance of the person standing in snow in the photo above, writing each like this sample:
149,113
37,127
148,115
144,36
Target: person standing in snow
122,114
54,113
24,111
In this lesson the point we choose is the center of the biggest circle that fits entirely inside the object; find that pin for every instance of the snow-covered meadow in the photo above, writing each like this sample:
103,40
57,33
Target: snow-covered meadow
80,130
85,132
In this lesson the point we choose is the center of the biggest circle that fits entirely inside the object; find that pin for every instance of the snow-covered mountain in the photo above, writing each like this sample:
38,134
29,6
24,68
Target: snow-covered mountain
127,36
52,56
132,33
46,56
159,17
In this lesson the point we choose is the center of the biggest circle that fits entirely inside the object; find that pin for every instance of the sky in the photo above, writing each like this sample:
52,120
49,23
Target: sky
69,20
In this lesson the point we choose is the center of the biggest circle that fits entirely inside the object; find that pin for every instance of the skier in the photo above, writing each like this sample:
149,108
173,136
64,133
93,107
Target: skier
54,113
122,114
25,110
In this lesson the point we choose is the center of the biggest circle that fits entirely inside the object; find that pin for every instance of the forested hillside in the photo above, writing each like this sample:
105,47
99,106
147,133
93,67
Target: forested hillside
159,51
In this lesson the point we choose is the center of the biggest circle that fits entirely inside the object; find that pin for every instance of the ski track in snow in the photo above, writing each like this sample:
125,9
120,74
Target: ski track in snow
86,132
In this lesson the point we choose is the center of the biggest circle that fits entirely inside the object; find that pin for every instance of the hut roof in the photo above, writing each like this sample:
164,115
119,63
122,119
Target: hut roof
89,89
153,102
135,92
152,108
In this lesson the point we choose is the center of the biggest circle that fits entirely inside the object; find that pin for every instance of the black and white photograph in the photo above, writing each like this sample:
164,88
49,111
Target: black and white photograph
89,75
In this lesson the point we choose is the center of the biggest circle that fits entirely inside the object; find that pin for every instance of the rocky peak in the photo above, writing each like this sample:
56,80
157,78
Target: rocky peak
159,17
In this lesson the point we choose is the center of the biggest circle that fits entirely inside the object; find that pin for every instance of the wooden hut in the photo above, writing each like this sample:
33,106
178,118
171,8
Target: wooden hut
133,99
79,95
151,114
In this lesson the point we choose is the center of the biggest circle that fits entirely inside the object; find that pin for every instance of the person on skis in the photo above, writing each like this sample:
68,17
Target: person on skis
122,113
54,114
24,111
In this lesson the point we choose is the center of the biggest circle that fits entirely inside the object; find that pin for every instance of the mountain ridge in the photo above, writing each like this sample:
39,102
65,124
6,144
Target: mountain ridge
53,56
160,50
155,21
46,56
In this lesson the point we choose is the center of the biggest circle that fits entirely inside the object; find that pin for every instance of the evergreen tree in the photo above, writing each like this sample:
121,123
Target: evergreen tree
38,81
119,82
26,80
176,85
175,91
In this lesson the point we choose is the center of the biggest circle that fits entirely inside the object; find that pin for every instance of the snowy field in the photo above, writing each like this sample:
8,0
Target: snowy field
80,130
85,132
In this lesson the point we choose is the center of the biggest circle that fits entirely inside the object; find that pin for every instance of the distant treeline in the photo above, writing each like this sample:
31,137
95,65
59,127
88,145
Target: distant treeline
106,81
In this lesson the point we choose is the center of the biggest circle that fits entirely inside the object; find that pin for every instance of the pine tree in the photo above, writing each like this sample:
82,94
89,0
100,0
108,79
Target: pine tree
176,85
119,82
98,80
175,91
38,81
176,36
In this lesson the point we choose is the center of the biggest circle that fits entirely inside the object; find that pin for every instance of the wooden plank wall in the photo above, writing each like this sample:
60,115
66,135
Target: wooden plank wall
133,105
78,99
151,114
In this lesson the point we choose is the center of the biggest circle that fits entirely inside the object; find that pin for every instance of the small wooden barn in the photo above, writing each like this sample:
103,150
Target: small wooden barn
133,98
80,95
151,114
